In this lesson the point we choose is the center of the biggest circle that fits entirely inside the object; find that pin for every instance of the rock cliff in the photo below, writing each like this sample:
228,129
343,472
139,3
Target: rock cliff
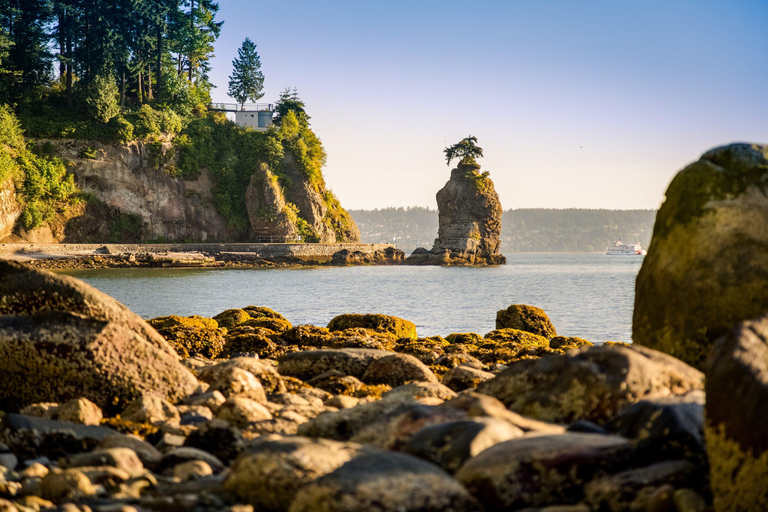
133,193
469,213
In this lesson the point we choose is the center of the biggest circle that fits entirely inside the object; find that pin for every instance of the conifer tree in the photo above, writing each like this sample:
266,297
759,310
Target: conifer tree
247,81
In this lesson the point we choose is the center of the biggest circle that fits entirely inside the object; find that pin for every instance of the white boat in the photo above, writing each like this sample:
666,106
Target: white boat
620,249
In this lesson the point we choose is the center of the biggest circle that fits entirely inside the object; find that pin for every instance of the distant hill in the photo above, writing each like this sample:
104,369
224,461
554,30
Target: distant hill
523,230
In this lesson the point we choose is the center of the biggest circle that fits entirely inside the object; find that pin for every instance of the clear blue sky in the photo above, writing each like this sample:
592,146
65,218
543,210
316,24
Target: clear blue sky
644,86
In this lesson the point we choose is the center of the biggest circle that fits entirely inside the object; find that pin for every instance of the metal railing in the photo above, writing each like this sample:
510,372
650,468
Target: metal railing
275,239
237,107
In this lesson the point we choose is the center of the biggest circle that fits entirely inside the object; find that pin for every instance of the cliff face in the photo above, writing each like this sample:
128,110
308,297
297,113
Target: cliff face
469,214
132,195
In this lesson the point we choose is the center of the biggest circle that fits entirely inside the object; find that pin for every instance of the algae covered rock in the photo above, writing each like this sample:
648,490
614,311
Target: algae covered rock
397,369
191,336
231,317
525,318
568,342
708,259
277,325
312,363
736,420
60,356
383,323
592,383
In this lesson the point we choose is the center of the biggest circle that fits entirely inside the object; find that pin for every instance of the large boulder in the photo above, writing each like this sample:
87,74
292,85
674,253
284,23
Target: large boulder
397,369
541,470
592,383
707,263
382,323
26,291
191,336
312,363
386,482
736,420
525,318
53,356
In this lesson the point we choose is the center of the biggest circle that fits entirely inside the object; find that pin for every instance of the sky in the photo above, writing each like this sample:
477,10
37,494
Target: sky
586,104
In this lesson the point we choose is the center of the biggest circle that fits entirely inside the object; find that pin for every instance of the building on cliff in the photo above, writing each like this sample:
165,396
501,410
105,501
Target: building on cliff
251,115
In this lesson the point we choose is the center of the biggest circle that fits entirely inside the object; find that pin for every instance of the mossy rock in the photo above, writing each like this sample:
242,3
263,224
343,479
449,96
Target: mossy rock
274,324
383,323
515,337
249,340
707,264
232,317
525,318
568,342
362,338
471,338
262,312
307,335
195,322
194,341
426,350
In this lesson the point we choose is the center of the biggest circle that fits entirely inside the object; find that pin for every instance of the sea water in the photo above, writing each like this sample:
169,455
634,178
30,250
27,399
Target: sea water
585,295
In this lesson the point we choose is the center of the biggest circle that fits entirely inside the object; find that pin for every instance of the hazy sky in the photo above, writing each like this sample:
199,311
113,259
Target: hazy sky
644,86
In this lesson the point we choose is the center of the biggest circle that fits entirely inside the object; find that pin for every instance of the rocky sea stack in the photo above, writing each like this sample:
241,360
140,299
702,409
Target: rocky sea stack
469,215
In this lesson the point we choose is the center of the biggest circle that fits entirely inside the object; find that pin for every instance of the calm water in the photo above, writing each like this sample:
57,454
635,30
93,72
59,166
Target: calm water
586,295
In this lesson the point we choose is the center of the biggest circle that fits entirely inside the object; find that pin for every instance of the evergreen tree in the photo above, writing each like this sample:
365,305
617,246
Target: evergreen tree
246,81
289,102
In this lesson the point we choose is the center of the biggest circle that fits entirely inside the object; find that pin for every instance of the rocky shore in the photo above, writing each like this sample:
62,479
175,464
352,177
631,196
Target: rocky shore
103,411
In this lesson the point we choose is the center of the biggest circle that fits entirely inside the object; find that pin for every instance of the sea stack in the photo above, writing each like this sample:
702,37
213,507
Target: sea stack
469,219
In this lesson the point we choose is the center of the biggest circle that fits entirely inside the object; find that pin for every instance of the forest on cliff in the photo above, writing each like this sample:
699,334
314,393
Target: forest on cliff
522,230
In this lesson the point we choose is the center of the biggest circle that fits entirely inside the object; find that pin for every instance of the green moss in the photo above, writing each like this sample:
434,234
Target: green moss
526,318
262,312
737,476
568,342
383,323
193,322
232,317
464,337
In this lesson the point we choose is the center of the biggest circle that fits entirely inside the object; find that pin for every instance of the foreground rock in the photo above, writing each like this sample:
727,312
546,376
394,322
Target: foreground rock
706,265
382,323
593,383
470,222
736,423
385,482
56,356
542,470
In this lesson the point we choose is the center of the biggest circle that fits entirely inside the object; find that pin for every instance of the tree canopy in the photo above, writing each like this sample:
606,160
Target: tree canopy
247,81
465,150
289,102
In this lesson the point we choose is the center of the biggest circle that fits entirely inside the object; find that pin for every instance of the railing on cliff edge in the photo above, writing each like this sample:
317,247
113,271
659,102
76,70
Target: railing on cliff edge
237,107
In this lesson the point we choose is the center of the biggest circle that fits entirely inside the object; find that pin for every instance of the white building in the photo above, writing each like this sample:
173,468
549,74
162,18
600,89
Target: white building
253,115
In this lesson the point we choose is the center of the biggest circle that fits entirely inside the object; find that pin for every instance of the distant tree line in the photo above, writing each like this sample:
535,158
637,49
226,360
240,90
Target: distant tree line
523,230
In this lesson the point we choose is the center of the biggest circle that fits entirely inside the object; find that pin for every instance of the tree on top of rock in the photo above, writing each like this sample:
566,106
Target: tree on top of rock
466,150
247,80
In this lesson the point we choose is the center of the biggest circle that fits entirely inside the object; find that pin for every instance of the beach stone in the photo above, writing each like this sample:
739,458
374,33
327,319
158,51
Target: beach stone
241,411
449,445
218,438
336,382
78,410
665,430
185,454
541,470
592,383
525,318
421,390
262,312
382,323
342,425
210,399
454,359
311,363
55,356
688,500
30,437
392,431
40,410
236,382
465,377
384,482
735,419
148,455
342,402
25,291
151,409
64,485
568,342
194,414
708,258
191,336
632,490
265,372
396,370
275,468
477,405
120,458
192,470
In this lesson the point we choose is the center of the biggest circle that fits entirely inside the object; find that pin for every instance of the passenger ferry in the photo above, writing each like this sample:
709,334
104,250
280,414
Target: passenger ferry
619,249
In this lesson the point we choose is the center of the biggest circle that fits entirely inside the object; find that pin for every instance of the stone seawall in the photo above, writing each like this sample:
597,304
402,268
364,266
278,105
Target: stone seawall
234,253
